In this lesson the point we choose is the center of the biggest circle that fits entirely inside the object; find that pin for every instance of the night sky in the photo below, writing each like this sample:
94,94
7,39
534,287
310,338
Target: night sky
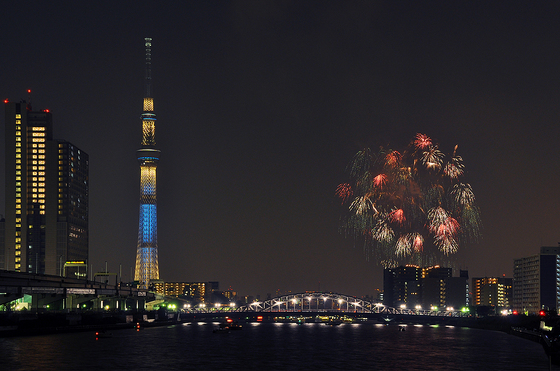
261,105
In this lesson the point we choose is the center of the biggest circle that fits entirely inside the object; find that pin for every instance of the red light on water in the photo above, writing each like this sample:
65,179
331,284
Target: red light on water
515,313
259,318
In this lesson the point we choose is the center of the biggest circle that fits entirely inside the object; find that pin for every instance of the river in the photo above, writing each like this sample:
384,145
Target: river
277,346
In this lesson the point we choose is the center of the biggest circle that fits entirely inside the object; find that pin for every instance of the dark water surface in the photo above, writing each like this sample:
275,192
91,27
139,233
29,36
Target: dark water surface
277,346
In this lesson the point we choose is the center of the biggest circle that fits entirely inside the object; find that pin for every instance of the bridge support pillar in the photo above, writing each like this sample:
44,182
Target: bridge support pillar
47,301
74,301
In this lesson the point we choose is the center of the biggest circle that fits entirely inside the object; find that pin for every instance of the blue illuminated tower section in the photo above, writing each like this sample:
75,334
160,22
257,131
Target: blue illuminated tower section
147,267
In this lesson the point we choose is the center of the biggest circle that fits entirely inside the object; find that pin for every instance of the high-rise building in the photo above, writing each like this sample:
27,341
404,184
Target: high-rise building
492,291
147,266
47,193
433,284
536,281
427,287
401,286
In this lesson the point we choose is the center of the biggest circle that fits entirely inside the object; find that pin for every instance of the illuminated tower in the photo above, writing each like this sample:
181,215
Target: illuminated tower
147,267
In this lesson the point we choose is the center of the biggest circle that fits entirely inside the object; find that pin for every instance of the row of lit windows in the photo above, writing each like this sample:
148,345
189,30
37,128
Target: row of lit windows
18,189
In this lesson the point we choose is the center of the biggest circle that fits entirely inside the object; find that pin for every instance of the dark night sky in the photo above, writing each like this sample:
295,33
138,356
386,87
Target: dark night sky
261,106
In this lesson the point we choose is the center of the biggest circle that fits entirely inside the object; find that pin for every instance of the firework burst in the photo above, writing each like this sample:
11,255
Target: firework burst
409,206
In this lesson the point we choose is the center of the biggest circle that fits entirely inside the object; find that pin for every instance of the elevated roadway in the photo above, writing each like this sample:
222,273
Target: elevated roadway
69,293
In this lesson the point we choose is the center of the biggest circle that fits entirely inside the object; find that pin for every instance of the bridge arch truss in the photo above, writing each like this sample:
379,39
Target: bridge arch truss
317,302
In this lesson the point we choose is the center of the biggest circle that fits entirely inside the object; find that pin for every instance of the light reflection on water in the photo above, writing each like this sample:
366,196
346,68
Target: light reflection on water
275,346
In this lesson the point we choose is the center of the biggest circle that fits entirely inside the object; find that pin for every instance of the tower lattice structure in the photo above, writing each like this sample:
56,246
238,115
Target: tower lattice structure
147,266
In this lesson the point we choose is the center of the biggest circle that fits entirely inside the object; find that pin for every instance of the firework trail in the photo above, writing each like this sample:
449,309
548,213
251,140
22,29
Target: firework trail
409,206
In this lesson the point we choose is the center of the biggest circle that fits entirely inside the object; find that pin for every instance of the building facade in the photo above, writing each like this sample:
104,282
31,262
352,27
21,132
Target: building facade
197,291
433,283
493,292
401,286
47,196
536,281
429,287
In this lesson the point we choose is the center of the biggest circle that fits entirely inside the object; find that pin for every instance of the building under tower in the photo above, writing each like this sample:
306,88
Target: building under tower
47,194
147,267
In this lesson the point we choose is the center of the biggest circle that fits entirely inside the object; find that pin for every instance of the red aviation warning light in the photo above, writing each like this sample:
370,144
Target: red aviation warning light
6,101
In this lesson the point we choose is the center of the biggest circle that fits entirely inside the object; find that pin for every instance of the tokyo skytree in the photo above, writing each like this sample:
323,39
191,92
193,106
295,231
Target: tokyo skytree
147,267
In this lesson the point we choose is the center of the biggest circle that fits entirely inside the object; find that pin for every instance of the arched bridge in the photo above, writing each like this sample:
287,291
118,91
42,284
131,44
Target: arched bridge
317,302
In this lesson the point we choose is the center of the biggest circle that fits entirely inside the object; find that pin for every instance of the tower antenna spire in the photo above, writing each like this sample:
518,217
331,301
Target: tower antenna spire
148,44
29,99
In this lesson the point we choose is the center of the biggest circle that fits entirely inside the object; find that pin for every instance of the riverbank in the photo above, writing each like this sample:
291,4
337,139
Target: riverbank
30,324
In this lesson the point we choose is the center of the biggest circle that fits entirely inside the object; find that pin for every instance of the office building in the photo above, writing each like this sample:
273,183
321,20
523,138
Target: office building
47,192
429,287
401,286
493,292
536,281
197,291
433,283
